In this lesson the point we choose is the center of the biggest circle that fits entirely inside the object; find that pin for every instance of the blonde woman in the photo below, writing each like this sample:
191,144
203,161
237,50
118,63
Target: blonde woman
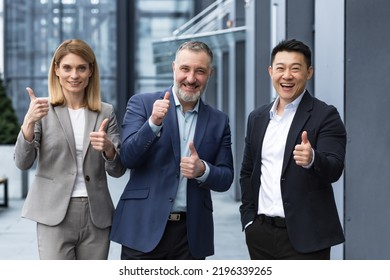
74,138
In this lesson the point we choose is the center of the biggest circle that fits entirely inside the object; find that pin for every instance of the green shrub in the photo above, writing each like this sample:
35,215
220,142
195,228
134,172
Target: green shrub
9,125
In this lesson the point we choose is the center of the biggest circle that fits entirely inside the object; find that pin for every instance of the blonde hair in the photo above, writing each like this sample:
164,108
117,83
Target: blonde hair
92,91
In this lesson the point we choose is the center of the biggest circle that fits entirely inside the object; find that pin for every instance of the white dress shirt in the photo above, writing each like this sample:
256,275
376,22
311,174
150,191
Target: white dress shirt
274,143
77,118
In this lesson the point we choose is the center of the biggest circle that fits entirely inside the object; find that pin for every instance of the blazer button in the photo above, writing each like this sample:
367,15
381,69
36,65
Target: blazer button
170,199
87,178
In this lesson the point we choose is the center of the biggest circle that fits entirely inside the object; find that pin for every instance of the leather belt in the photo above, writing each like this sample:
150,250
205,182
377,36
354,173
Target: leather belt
275,221
177,216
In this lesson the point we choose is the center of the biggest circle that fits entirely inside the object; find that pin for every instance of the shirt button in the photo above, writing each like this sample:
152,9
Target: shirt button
87,178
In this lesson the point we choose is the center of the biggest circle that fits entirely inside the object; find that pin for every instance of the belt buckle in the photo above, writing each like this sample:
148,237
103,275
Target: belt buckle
174,217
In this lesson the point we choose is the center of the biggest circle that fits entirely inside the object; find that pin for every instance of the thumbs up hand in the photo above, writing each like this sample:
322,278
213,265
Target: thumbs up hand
38,109
160,109
101,142
192,166
303,153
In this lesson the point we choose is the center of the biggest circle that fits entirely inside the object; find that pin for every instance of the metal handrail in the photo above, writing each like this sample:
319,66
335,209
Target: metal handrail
208,16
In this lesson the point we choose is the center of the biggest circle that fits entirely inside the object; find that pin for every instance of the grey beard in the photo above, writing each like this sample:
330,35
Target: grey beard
187,97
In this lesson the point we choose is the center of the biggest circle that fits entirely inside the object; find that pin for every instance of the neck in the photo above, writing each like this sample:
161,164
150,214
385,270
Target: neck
75,101
280,108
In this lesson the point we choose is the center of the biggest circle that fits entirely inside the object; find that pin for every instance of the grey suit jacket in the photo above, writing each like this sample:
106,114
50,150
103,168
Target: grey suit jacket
54,147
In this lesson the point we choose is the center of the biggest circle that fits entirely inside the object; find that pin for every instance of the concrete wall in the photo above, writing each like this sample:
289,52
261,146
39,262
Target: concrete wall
367,101
329,66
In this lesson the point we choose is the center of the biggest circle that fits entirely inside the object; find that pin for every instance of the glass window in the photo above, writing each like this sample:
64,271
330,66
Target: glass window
35,28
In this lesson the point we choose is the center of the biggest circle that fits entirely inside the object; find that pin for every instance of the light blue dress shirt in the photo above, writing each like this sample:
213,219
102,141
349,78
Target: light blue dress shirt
187,124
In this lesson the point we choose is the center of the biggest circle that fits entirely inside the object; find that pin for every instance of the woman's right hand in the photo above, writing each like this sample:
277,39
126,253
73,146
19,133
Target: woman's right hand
39,108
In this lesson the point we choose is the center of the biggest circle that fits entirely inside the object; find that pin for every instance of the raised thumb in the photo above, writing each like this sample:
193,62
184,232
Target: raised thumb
304,138
193,151
31,93
103,125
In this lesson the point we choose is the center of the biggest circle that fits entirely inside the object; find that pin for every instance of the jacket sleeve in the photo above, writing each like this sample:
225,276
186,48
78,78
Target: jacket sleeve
330,145
114,167
26,152
137,136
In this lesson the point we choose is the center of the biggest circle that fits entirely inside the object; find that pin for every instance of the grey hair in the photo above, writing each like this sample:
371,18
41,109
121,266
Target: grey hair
196,46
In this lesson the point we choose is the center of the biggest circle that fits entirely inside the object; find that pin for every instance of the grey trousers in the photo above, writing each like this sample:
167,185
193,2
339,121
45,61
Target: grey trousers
75,238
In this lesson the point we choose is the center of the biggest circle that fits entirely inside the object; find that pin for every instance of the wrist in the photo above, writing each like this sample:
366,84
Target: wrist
110,154
203,169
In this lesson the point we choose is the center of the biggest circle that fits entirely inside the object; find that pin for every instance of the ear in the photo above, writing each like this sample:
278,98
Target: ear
310,72
173,66
56,70
91,67
270,70
211,72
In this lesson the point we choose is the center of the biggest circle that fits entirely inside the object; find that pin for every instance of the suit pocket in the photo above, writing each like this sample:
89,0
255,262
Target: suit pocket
135,194
40,177
324,212
210,139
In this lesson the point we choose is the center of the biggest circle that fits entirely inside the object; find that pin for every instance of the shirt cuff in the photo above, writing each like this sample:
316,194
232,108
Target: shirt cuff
107,159
206,173
312,160
248,224
155,128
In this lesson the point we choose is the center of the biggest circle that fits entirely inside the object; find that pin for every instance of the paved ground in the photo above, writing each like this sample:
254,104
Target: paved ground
18,237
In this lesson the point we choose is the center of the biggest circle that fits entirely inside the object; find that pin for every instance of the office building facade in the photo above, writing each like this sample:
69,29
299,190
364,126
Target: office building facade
134,42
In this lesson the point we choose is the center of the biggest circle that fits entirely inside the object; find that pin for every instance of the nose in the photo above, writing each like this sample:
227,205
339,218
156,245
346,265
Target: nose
287,74
74,74
191,77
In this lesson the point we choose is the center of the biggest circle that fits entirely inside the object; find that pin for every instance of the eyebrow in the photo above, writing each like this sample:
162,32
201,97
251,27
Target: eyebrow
68,64
293,64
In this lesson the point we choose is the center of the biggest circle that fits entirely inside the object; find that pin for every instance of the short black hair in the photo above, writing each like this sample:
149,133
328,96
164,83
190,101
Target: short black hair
292,45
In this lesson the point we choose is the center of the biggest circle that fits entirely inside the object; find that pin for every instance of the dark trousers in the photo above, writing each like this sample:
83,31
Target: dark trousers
268,240
173,245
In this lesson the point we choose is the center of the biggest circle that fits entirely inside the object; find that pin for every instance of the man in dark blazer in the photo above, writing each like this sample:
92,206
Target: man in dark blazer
178,149
294,151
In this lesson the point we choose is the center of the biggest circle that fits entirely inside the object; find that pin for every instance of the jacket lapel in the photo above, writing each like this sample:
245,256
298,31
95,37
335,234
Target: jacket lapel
294,135
170,125
200,130
66,125
258,137
90,125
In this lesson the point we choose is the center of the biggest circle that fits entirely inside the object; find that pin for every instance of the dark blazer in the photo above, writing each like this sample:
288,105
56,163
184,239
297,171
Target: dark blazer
308,200
142,212
50,193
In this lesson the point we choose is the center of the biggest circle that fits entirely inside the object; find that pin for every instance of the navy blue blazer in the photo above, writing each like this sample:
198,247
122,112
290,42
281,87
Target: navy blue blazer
308,200
142,212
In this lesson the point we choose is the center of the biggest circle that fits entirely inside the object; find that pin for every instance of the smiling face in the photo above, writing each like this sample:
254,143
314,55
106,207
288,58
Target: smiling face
73,73
191,70
289,73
